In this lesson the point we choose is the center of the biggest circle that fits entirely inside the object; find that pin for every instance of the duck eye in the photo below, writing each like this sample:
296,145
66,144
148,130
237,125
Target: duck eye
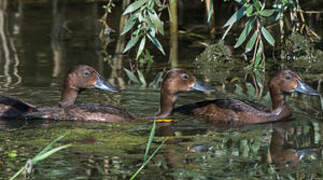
184,76
288,77
86,73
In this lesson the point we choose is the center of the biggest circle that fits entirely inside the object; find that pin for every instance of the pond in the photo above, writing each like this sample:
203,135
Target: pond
41,40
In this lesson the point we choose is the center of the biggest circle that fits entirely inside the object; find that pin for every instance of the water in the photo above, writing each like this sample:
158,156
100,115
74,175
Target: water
41,43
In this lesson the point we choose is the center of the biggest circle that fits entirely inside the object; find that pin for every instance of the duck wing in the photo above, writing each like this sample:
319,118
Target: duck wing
236,105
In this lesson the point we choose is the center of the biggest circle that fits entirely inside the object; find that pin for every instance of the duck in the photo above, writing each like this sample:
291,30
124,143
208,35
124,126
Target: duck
175,81
78,78
242,112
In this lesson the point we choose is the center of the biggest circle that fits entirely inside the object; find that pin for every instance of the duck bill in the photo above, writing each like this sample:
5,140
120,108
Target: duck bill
201,87
305,89
103,85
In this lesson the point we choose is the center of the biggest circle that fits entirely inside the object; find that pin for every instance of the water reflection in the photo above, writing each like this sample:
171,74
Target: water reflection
10,22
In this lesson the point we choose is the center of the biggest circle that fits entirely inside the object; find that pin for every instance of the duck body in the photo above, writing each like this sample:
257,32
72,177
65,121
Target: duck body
78,78
230,110
82,112
241,112
233,111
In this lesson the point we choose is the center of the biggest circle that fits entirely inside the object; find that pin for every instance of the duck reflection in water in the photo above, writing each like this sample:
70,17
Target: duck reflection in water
282,151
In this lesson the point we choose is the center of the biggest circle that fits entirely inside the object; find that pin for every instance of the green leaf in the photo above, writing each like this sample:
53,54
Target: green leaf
251,42
131,76
134,6
130,23
50,145
258,78
133,41
259,53
245,32
48,153
257,4
141,78
249,10
157,79
156,21
210,11
156,43
148,160
238,90
141,47
150,140
250,90
267,12
236,16
267,36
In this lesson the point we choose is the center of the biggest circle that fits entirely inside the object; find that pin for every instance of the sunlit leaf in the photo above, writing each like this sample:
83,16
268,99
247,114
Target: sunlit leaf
157,22
267,36
48,153
156,43
50,145
141,78
131,76
267,12
245,32
150,140
249,10
210,11
236,16
141,47
130,23
134,6
251,42
133,41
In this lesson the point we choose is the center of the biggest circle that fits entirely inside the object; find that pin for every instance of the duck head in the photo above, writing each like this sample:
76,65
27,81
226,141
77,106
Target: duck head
179,80
82,77
285,82
175,81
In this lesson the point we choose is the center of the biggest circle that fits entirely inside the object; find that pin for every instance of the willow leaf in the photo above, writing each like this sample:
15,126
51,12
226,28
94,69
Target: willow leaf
251,42
134,6
133,41
267,36
156,43
236,16
245,32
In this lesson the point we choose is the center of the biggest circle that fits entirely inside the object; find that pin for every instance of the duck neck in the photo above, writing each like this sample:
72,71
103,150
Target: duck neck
69,95
277,98
167,103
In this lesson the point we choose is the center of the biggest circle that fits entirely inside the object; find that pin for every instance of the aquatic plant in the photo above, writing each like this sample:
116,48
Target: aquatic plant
46,152
147,158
